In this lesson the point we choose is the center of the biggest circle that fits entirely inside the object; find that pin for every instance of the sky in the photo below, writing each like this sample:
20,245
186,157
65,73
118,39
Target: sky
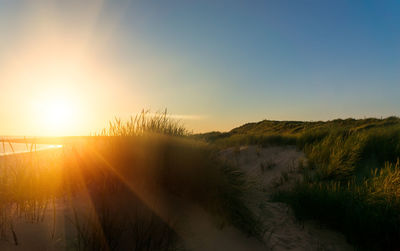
68,67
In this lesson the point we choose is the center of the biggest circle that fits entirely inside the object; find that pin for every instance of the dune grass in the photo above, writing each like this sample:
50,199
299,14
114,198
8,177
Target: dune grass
366,212
351,181
120,182
145,123
353,187
29,184
157,162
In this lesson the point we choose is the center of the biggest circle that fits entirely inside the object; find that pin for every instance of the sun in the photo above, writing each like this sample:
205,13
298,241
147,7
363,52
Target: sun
56,96
58,113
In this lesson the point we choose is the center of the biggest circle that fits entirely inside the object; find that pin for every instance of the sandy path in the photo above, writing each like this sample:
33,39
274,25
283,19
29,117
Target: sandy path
200,232
277,168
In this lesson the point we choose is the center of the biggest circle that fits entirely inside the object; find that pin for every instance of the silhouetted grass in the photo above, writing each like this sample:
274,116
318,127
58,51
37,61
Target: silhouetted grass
148,162
182,167
145,123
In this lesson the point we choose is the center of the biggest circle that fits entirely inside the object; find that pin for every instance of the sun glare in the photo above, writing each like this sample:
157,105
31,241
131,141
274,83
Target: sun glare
58,112
57,115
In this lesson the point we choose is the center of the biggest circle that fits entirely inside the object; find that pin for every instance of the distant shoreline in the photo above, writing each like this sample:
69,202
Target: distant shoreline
45,140
49,147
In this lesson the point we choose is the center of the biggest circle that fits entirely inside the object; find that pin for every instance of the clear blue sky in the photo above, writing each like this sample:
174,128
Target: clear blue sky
223,63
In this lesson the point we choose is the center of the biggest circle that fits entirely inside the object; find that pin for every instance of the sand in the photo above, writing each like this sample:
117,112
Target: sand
284,232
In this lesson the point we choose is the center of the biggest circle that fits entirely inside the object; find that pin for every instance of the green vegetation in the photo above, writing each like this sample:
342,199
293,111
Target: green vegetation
352,178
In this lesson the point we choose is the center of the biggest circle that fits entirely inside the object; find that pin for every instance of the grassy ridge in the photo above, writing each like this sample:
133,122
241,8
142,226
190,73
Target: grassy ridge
291,132
352,179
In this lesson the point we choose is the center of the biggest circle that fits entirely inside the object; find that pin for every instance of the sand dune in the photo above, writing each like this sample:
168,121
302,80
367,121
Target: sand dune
267,167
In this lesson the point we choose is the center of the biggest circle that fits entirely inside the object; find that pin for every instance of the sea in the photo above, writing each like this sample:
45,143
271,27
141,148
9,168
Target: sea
8,148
